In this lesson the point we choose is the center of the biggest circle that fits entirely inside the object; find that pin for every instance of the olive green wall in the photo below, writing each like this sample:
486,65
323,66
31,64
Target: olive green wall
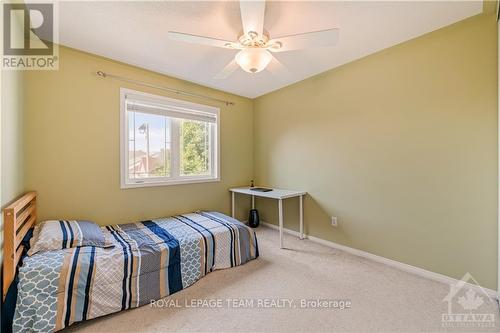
72,149
11,139
11,153
401,146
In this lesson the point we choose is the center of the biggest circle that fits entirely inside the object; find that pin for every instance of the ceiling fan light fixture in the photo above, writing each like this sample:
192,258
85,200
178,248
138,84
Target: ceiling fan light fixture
253,60
255,43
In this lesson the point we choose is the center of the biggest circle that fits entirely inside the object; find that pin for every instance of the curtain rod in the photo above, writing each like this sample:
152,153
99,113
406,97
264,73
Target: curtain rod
150,85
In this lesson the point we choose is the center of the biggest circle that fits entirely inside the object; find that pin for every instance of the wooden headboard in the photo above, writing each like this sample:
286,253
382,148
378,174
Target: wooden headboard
18,218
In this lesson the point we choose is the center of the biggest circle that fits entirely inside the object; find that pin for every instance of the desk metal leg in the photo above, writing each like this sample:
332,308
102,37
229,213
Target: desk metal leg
232,205
301,213
280,208
253,201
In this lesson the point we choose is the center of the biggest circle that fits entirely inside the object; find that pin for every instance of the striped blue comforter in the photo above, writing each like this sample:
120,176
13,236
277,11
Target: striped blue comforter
149,260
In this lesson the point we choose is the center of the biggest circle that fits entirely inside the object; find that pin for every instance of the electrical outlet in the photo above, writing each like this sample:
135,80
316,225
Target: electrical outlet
334,221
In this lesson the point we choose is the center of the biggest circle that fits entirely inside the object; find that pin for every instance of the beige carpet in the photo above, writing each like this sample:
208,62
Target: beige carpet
383,298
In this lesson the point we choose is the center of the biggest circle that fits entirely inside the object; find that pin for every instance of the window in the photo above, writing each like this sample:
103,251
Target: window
167,141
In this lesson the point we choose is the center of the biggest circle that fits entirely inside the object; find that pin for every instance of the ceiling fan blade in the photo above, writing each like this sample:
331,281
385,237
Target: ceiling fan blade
306,40
188,38
228,70
252,15
276,68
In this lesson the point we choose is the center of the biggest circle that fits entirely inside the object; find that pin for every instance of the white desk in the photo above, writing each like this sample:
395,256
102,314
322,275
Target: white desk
279,195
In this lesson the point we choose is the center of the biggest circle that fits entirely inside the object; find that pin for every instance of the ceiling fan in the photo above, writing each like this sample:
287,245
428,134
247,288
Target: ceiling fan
255,44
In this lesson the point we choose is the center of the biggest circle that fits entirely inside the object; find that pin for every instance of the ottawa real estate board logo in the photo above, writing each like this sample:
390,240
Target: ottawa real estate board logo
30,36
469,305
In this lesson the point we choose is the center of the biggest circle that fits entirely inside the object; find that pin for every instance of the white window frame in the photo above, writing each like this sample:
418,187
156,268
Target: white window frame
175,178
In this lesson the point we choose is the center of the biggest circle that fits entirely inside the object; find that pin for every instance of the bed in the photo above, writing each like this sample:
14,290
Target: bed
148,260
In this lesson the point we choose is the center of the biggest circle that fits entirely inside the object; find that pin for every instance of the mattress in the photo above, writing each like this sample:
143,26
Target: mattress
149,260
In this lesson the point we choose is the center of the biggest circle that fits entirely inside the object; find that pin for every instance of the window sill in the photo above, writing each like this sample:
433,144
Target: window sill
168,182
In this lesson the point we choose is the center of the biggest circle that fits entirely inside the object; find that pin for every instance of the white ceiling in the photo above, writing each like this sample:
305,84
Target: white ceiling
136,33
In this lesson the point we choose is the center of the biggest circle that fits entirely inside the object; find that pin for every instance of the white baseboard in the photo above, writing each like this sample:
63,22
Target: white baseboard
393,263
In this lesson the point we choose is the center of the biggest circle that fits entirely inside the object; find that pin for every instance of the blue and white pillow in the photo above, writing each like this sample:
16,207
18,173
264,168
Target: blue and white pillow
64,234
